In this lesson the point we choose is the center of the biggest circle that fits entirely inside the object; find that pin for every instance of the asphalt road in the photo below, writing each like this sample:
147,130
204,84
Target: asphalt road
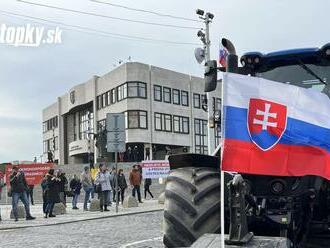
134,231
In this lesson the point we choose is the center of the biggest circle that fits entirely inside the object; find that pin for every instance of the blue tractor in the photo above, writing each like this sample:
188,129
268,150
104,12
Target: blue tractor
295,208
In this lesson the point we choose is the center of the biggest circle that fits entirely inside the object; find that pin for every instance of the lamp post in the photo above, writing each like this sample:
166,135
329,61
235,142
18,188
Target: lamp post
205,38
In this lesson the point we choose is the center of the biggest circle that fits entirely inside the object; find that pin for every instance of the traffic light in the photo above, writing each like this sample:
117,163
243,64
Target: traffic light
210,75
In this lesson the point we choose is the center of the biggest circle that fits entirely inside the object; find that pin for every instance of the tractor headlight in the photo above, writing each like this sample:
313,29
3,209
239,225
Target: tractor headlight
277,187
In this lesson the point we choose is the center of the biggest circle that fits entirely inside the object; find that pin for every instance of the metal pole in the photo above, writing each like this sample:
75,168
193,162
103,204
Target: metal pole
116,181
210,131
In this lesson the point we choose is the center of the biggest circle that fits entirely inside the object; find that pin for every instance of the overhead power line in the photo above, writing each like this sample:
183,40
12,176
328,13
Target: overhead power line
95,31
108,17
146,11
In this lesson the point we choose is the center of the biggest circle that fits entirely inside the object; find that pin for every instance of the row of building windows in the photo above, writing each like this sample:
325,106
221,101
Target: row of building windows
169,123
50,144
168,95
133,119
126,90
50,124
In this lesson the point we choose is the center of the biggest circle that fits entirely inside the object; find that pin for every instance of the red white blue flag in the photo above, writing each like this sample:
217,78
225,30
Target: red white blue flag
223,56
271,128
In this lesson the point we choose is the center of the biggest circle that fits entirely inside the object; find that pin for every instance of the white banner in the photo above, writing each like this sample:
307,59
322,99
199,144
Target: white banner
155,168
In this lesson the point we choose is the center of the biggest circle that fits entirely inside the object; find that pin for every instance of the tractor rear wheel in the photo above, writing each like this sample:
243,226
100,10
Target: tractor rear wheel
192,205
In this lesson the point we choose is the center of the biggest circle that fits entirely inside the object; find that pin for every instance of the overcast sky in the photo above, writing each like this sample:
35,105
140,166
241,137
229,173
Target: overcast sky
32,78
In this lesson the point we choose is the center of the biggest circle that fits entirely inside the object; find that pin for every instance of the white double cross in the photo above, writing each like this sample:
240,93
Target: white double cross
266,114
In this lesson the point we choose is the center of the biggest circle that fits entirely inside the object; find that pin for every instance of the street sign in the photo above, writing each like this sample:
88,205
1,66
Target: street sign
116,134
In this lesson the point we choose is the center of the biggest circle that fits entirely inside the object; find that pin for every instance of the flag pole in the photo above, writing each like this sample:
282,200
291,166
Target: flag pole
222,174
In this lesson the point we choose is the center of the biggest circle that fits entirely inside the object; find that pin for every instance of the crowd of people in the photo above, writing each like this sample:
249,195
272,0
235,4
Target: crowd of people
56,188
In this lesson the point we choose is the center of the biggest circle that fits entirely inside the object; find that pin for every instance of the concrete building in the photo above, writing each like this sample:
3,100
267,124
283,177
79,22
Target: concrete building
163,111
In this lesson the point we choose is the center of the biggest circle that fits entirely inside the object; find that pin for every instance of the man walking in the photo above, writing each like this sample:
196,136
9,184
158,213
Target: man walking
87,184
135,179
19,190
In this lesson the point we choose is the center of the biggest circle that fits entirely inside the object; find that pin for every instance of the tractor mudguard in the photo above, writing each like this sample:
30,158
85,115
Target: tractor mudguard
193,160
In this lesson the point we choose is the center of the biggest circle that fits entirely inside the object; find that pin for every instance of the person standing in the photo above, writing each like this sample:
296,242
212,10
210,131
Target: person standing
103,179
63,186
19,192
75,186
113,183
44,191
87,184
147,183
135,182
2,185
51,192
30,193
122,184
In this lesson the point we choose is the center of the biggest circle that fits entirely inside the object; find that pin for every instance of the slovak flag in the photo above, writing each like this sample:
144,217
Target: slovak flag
223,56
272,128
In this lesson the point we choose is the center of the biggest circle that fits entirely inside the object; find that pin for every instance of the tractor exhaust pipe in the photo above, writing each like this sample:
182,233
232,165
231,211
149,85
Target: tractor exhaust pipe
232,58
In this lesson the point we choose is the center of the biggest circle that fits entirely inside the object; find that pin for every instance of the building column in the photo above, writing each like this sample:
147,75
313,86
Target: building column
61,158
96,152
151,114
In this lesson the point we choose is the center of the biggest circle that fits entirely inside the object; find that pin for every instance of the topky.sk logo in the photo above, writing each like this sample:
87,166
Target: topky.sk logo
29,35
266,122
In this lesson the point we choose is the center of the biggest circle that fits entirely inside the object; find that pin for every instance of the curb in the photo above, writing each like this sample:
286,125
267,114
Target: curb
75,221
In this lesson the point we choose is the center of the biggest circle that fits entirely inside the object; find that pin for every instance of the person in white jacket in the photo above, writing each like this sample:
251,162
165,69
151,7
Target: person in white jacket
103,179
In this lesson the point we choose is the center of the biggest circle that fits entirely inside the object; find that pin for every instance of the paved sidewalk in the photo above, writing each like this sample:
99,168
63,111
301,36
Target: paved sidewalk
72,215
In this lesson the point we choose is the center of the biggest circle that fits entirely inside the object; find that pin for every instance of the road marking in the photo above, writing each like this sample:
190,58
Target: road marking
140,241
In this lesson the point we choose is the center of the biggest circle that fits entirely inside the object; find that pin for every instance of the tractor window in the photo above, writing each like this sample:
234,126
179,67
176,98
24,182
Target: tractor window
296,75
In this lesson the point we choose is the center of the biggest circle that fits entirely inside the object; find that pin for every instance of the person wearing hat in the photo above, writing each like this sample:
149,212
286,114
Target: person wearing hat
19,190
87,184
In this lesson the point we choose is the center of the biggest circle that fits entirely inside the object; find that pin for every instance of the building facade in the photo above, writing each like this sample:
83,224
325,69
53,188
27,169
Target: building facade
163,113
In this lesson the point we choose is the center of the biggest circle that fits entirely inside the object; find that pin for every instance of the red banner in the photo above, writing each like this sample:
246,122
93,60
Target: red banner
33,172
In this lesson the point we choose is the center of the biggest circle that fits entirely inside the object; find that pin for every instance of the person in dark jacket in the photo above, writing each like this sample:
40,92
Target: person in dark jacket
75,186
43,188
51,192
30,193
122,184
147,183
63,186
19,190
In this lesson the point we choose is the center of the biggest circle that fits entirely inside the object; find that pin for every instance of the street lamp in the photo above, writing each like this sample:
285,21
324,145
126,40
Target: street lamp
204,36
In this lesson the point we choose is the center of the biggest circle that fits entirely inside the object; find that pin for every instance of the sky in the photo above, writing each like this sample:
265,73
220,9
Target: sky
31,78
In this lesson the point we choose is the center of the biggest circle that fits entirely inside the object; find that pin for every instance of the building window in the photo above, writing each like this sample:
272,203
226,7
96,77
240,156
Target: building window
158,122
184,98
136,119
50,124
167,94
86,120
137,89
163,122
167,123
113,96
201,136
204,101
180,124
121,92
197,100
158,93
176,96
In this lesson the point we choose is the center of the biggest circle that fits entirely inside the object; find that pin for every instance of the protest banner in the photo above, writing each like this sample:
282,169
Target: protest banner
155,168
33,172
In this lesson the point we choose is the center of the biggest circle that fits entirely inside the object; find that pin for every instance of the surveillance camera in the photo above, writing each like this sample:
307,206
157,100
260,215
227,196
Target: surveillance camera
210,15
200,12
200,33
